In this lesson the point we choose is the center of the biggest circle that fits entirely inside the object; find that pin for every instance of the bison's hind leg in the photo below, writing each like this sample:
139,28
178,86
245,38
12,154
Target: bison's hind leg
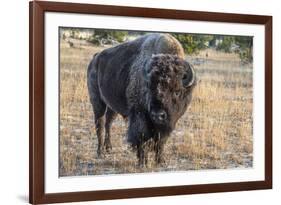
109,117
99,110
141,156
99,106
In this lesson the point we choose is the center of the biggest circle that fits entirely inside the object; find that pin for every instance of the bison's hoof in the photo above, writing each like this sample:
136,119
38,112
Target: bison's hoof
161,162
108,148
100,153
141,165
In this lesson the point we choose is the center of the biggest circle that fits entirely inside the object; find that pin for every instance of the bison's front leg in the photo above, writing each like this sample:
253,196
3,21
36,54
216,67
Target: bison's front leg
138,134
159,149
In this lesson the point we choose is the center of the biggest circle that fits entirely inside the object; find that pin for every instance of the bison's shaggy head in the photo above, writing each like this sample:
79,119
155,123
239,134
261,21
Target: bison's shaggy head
170,80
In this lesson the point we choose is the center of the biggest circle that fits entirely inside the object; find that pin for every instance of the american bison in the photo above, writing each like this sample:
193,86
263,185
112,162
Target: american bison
146,81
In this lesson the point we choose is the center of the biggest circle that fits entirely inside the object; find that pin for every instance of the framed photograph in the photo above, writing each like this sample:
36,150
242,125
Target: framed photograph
132,102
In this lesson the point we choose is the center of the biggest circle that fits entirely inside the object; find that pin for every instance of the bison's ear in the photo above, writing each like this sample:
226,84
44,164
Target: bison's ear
145,75
189,78
146,70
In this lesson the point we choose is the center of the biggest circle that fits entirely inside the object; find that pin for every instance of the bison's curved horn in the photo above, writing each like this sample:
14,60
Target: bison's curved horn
193,79
189,78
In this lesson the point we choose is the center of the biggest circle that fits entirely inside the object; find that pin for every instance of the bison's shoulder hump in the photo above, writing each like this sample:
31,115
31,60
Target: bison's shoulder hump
162,43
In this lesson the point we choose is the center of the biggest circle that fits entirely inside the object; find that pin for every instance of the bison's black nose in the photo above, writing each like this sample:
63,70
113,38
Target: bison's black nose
160,115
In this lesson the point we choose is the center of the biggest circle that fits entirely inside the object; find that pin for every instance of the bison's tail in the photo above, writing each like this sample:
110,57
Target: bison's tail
92,77
92,64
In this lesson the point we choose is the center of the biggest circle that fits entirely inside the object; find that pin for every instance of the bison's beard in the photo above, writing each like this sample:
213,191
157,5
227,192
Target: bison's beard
164,128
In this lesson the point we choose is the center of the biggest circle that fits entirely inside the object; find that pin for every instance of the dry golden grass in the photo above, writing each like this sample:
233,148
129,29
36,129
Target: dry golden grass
215,132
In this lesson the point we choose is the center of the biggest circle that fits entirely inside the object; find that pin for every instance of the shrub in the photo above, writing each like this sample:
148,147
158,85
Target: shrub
193,43
108,36
226,44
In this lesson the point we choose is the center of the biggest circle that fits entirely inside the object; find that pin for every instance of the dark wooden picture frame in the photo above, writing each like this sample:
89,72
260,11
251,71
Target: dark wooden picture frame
37,10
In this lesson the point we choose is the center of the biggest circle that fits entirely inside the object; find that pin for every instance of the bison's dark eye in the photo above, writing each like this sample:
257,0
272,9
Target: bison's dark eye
177,93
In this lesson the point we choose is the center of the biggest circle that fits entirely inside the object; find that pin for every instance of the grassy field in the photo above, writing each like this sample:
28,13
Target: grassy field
214,133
